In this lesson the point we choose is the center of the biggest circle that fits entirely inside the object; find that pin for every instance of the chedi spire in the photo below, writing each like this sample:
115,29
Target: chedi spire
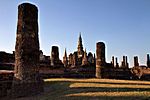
65,59
80,47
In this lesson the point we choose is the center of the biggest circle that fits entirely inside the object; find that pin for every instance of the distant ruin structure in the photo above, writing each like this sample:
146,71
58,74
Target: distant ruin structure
75,59
44,60
70,59
117,64
80,47
100,60
85,60
148,61
125,62
26,76
65,59
55,61
113,62
80,57
54,55
7,57
136,62
90,58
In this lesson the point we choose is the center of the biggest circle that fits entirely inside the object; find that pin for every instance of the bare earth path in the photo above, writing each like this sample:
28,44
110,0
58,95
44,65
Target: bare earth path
93,89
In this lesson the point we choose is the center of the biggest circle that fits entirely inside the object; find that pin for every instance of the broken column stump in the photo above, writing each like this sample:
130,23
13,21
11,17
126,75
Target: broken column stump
26,77
100,60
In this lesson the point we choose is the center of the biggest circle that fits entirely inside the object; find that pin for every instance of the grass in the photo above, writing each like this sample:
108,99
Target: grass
93,89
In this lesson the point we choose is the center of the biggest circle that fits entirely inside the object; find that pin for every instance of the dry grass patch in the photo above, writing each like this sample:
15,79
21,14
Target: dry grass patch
97,85
109,94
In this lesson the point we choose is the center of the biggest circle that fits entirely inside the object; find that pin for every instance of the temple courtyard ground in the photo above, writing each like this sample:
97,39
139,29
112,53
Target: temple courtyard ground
92,89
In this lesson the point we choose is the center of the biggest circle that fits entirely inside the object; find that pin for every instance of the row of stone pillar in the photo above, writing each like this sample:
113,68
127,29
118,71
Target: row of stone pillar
125,62
136,62
100,60
114,62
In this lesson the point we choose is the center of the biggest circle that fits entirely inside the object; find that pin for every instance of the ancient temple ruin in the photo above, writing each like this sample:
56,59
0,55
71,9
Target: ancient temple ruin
80,47
112,69
26,76
25,80
85,60
65,59
80,57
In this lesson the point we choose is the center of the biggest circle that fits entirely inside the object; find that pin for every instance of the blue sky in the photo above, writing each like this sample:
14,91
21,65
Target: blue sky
124,26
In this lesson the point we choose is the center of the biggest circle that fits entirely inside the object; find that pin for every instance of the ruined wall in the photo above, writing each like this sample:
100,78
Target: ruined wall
5,82
7,57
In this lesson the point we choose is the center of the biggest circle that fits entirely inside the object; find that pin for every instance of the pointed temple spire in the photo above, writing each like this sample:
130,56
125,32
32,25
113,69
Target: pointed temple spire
80,38
65,55
80,47
65,59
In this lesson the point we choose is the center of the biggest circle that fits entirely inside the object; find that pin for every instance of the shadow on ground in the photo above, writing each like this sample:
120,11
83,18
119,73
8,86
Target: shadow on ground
62,90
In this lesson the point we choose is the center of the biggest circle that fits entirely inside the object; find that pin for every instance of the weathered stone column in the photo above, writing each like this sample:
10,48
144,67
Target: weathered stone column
117,65
75,57
65,59
123,62
26,78
84,59
100,60
113,61
148,61
54,55
136,62
126,62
